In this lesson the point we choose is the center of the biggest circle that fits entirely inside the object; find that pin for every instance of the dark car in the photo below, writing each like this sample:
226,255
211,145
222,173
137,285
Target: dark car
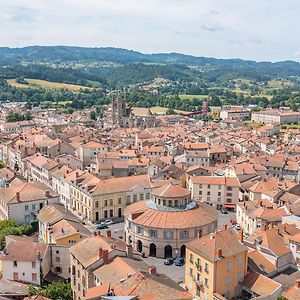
102,225
169,261
224,211
179,261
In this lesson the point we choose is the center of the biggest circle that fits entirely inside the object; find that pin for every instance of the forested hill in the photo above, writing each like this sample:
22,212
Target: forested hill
68,54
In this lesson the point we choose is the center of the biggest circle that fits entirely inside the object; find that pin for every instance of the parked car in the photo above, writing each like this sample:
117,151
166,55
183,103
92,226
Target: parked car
179,261
102,225
237,226
169,261
223,211
109,222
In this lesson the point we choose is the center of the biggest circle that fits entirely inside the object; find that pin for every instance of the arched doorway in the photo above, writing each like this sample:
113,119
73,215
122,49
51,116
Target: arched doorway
139,246
152,250
168,251
182,251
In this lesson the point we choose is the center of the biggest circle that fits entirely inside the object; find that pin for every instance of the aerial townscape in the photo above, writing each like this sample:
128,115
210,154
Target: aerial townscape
126,175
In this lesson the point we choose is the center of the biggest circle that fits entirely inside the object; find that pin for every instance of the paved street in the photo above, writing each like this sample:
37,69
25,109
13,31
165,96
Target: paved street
175,273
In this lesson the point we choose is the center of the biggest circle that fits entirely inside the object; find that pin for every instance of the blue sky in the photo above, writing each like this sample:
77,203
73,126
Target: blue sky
249,29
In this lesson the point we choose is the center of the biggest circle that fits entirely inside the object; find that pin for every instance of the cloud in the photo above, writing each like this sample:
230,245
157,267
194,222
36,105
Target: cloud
211,28
200,27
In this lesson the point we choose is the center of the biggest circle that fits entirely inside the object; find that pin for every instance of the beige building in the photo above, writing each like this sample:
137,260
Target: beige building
217,191
275,117
215,264
162,226
89,255
95,200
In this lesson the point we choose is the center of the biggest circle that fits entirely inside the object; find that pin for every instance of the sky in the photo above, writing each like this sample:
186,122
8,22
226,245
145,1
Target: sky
262,30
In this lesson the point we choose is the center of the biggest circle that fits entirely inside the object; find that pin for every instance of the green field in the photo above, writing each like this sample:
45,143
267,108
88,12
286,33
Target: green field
162,110
191,97
36,83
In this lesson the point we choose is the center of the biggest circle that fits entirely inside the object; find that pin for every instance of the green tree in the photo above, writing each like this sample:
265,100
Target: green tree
54,291
170,111
93,115
2,164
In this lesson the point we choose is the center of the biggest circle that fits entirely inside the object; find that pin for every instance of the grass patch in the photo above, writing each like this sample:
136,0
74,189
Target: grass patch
37,83
162,110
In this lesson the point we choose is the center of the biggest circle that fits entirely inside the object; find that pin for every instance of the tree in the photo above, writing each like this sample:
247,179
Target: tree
54,291
93,115
170,111
2,164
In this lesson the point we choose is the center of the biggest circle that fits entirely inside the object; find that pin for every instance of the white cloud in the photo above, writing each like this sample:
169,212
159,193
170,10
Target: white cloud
252,29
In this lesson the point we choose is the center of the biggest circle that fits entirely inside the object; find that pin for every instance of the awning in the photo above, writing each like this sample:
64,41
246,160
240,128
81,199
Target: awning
229,205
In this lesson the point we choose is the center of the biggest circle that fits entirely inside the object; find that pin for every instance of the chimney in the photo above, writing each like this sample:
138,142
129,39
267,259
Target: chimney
199,234
263,227
284,228
152,270
18,196
219,253
224,226
241,236
77,174
95,233
271,226
100,252
129,250
108,233
105,256
278,230
47,194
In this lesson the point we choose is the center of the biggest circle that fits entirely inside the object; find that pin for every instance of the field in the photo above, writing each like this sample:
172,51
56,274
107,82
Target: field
162,110
191,97
36,83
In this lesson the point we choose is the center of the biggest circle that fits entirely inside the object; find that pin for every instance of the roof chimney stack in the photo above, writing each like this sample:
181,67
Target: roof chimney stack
263,227
152,270
219,253
18,196
224,226
241,236
129,250
105,256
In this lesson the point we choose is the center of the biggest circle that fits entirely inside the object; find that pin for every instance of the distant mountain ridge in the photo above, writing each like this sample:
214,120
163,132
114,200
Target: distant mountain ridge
68,54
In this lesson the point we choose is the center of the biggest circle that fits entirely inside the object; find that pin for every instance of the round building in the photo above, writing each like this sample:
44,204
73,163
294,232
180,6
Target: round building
161,227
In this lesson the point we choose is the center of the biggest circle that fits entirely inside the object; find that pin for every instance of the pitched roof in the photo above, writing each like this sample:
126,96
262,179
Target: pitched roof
171,191
208,245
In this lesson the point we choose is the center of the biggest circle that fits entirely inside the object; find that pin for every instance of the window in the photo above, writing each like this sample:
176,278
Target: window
206,282
134,198
184,234
140,230
105,202
147,196
168,235
33,265
191,258
152,233
228,279
191,272
120,200
96,204
198,262
15,264
219,187
26,207
229,188
208,193
208,186
111,201
239,262
219,194
198,276
128,199
57,251
57,259
239,276
111,213
206,267
34,277
200,193
229,266
141,196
